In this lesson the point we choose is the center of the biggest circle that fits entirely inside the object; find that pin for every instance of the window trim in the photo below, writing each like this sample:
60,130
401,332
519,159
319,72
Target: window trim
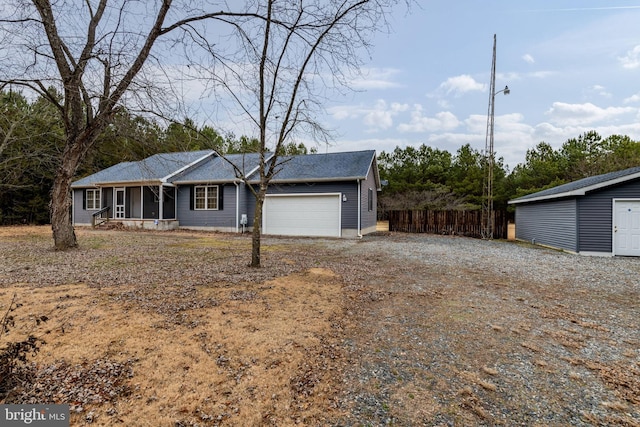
206,197
94,200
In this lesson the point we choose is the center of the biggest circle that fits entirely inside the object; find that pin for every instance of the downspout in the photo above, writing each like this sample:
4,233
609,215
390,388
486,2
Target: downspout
359,209
237,205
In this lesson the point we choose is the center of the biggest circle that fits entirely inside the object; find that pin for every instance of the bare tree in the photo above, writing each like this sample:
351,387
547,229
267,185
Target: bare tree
288,56
93,52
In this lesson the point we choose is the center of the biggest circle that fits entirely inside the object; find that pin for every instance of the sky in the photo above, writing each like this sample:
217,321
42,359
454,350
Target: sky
571,65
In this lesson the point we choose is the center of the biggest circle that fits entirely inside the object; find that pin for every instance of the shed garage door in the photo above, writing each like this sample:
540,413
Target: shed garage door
302,215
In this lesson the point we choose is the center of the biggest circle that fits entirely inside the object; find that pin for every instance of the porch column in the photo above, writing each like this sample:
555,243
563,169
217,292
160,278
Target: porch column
141,202
160,201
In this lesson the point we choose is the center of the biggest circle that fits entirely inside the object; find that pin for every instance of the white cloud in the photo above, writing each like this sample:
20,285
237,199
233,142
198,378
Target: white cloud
632,59
632,99
528,58
566,114
598,90
461,84
444,120
376,78
378,117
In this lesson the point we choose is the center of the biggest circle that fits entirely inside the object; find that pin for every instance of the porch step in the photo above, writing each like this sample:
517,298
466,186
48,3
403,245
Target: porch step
111,225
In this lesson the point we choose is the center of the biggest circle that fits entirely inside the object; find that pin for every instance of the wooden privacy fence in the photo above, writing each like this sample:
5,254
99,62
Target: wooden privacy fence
460,223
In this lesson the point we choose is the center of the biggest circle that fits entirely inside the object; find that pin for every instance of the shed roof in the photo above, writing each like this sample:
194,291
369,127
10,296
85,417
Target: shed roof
582,186
156,168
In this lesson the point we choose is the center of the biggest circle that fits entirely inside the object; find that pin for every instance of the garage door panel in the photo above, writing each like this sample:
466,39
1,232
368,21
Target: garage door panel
302,215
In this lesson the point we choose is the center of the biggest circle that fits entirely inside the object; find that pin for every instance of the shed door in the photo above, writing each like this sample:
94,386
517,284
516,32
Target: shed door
302,215
626,228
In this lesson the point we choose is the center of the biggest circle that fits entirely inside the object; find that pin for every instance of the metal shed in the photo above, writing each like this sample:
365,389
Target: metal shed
598,215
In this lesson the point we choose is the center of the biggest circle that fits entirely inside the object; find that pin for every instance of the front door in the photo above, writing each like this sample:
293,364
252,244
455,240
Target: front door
626,228
119,203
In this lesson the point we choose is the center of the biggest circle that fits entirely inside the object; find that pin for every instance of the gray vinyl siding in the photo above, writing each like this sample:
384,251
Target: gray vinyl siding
224,218
245,197
83,216
595,216
80,215
549,223
369,217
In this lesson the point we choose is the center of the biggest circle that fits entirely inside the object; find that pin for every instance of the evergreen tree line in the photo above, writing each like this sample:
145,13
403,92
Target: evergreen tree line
429,178
32,140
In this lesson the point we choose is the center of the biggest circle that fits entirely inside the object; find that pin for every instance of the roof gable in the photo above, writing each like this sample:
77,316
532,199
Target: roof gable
219,169
582,186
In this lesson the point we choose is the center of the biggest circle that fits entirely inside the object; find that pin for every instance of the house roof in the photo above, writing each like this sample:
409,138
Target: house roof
157,168
206,166
219,169
582,186
344,166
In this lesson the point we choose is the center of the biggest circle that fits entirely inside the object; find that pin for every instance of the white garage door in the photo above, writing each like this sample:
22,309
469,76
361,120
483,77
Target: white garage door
302,215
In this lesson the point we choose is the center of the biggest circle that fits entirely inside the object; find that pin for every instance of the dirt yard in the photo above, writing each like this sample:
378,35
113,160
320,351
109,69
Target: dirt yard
173,329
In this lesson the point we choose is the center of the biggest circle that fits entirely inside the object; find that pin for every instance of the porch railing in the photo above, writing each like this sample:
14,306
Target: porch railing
100,217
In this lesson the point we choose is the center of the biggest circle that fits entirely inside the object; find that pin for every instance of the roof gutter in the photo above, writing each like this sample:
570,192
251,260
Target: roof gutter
549,197
302,180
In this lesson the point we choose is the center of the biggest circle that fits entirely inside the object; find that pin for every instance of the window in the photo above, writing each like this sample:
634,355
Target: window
370,199
206,197
92,200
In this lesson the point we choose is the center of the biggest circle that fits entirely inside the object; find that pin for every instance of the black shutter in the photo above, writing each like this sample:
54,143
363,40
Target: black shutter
192,201
220,197
84,200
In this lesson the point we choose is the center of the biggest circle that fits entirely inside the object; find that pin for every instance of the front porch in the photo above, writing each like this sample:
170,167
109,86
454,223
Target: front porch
141,206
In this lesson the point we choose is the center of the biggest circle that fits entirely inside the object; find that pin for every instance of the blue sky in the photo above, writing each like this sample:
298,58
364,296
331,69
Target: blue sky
572,66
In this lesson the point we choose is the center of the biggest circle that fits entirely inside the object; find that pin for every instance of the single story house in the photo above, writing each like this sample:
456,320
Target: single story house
333,194
599,215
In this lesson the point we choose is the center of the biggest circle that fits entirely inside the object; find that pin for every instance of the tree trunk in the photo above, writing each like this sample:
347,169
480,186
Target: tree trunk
257,229
64,236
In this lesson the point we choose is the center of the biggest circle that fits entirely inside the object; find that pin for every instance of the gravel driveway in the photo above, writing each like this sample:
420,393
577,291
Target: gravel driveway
421,330
457,331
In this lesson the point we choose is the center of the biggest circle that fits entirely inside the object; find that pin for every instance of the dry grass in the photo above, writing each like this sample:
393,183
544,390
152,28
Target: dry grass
200,339
262,355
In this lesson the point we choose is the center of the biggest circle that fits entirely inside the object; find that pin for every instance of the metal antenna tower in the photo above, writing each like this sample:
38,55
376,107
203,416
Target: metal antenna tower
487,199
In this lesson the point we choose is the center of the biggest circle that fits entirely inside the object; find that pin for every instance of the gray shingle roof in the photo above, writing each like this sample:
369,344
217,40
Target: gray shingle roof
217,169
151,169
582,186
175,168
326,167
